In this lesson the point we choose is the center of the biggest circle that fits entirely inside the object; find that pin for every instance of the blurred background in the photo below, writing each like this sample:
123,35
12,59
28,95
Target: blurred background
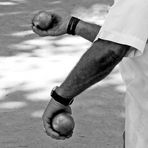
30,66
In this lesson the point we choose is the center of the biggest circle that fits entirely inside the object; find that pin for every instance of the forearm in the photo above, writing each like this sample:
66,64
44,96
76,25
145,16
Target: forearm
94,66
86,30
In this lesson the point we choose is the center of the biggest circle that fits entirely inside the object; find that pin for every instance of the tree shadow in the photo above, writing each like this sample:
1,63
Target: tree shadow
29,68
16,19
98,113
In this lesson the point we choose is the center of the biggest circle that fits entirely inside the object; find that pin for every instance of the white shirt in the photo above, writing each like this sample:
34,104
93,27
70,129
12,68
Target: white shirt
127,23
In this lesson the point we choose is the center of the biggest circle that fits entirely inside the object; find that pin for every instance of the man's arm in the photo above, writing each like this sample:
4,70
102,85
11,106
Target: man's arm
98,61
87,30
83,29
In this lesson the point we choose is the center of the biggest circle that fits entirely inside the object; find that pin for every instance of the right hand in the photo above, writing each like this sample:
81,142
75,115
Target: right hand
61,18
52,108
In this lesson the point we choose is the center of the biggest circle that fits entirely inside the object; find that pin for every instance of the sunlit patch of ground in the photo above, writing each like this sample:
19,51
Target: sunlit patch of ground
54,2
7,3
11,2
95,14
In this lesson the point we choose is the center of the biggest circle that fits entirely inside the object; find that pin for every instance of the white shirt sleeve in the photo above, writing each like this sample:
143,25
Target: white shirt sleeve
126,24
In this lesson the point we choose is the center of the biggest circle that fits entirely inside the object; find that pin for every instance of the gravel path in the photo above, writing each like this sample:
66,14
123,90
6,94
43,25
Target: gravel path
27,65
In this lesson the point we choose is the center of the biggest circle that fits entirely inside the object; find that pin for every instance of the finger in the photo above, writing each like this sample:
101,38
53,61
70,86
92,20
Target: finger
70,135
50,132
55,137
42,32
39,32
48,129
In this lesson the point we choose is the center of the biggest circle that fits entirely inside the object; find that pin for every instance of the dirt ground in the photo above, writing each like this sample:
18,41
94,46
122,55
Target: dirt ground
30,66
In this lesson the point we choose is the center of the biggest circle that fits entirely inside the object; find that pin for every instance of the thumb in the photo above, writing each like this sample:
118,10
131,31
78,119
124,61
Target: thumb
52,32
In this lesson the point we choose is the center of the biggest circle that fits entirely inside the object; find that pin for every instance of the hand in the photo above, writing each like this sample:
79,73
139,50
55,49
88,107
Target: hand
60,21
52,108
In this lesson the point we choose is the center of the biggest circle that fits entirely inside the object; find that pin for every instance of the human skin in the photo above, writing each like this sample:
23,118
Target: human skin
94,65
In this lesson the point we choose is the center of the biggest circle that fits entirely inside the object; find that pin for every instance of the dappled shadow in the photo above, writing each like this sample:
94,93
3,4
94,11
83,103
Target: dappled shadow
17,36
30,66
98,113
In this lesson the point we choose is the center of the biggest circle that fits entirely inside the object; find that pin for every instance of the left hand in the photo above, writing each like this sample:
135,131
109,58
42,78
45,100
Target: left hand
61,20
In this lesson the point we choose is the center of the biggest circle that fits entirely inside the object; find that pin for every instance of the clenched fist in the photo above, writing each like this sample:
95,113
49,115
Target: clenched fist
51,23
53,108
